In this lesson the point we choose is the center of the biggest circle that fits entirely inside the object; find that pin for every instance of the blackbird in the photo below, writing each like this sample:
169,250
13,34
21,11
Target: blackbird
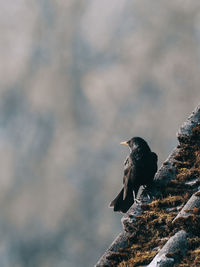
139,169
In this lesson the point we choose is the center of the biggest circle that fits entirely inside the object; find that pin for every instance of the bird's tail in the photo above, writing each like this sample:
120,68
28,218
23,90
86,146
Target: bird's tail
121,204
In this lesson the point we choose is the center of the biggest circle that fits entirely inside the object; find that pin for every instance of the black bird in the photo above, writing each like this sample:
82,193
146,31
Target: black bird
139,169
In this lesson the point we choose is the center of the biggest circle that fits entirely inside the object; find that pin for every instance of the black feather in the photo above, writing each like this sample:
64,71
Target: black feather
139,169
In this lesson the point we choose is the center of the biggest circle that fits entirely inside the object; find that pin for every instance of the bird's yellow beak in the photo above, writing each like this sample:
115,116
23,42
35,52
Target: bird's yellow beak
124,143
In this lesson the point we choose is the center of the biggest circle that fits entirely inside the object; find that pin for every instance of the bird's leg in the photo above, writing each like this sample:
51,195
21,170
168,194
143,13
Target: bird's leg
137,201
134,195
146,193
148,196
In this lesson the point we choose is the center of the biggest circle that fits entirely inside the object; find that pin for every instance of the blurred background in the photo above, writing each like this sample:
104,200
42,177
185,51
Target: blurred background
77,78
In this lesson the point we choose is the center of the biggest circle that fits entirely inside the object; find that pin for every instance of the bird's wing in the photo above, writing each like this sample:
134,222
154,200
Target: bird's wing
128,179
127,166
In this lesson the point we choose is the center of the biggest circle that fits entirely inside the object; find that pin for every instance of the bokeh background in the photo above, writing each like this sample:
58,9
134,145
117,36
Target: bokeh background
76,78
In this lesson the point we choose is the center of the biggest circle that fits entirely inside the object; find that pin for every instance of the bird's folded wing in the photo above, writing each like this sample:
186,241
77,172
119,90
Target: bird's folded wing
127,181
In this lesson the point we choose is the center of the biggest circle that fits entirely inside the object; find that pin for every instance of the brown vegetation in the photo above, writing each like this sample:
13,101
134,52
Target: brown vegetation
156,225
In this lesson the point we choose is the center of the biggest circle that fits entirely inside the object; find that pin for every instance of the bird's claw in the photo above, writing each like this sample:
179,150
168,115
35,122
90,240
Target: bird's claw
137,201
148,196
146,193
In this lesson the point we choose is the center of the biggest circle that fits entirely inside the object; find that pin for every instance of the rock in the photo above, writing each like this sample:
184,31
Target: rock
172,252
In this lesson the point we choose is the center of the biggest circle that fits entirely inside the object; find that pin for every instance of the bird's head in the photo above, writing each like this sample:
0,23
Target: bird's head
136,142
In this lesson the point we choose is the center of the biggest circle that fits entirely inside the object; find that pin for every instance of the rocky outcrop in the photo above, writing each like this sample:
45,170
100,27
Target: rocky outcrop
173,203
